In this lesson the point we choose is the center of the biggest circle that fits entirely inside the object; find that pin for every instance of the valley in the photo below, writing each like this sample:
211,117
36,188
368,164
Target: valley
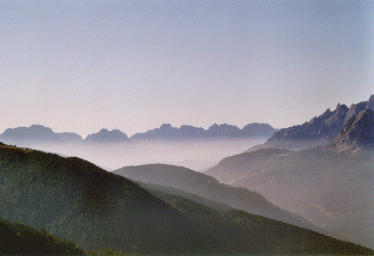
95,209
318,192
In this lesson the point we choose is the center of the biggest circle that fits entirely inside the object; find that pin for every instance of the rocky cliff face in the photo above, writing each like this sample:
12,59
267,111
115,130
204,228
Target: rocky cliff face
319,130
357,133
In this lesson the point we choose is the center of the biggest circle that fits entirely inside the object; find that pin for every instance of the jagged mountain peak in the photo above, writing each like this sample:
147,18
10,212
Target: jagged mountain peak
326,114
104,135
168,132
370,103
166,127
358,132
25,136
222,126
341,107
39,126
319,130
103,130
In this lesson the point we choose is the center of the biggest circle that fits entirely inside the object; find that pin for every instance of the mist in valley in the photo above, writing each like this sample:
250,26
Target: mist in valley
197,155
331,189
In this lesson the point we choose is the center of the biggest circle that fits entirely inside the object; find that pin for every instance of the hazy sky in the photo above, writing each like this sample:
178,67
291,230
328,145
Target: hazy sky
132,65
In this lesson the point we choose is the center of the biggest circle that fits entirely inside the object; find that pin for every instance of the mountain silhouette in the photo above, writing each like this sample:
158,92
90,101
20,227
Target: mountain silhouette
36,134
319,131
216,131
104,136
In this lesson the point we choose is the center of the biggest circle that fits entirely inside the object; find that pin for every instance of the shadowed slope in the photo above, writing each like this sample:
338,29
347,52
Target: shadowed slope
19,239
207,187
331,189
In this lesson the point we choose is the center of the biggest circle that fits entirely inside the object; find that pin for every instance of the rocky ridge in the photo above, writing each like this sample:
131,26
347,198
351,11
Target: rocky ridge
25,136
358,133
319,131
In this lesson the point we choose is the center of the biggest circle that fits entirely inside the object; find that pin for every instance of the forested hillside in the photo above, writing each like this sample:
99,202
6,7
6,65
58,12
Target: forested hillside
76,200
17,238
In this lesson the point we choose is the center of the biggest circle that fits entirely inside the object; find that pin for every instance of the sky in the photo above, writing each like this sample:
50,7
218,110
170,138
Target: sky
80,66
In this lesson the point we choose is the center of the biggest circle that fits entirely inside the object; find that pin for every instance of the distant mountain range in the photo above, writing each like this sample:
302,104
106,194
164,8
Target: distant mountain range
107,136
320,130
39,134
330,186
167,132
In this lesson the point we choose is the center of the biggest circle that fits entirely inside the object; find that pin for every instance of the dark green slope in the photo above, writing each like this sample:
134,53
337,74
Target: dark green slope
20,239
76,200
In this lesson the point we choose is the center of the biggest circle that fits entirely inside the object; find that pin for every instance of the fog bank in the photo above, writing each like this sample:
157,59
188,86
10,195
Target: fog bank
194,154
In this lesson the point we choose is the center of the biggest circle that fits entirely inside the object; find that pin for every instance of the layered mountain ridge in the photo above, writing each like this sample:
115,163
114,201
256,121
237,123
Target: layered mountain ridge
331,188
41,134
107,136
207,187
166,131
95,209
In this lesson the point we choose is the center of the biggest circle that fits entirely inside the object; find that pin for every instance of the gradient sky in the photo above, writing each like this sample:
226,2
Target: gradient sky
80,66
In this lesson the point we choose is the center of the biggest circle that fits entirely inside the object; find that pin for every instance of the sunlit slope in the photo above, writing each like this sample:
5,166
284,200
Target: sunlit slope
331,189
78,201
209,188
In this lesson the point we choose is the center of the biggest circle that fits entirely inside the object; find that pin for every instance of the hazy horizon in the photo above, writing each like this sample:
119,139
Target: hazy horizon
194,154
80,66
129,136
